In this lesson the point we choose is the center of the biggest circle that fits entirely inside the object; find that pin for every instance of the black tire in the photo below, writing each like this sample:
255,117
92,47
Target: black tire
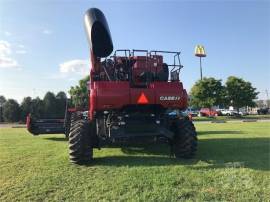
184,144
67,125
80,140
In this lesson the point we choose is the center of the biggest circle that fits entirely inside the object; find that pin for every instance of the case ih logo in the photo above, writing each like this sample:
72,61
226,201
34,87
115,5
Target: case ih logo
171,98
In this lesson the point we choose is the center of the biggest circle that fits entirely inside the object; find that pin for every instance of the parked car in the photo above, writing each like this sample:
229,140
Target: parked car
208,112
263,111
227,112
243,113
192,112
219,112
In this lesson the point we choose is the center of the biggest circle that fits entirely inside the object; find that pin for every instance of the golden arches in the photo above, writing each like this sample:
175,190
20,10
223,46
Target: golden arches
200,51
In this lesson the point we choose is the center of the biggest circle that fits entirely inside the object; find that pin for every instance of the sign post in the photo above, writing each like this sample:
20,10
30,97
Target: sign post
200,52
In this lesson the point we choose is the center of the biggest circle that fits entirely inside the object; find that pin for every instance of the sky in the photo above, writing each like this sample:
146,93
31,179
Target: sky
43,46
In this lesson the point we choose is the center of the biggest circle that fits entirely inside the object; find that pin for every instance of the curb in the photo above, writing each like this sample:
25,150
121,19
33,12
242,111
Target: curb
250,120
18,127
219,121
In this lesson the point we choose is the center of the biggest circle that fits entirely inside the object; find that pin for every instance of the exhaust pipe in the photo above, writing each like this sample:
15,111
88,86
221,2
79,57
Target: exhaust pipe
98,33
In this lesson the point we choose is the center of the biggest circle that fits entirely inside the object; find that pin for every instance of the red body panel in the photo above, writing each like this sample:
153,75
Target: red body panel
111,94
28,122
107,95
116,94
171,90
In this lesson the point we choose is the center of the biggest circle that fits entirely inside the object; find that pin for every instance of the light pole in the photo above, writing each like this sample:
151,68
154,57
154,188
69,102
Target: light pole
200,52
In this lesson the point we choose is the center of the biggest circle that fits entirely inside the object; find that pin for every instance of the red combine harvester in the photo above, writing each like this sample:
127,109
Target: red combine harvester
134,96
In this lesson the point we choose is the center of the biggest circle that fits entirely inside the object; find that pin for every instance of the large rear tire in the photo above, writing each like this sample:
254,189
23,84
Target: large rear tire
184,144
67,125
80,140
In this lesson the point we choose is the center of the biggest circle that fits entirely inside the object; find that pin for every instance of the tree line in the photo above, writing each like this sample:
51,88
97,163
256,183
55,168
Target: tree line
51,106
210,92
79,93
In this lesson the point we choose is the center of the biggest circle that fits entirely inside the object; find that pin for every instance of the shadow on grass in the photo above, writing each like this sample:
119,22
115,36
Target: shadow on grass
218,153
59,139
132,160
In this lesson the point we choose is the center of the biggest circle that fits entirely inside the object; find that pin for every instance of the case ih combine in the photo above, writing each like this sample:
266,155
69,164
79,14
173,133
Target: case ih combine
134,96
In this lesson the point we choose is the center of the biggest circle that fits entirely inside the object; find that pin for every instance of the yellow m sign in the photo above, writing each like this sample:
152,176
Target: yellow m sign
199,51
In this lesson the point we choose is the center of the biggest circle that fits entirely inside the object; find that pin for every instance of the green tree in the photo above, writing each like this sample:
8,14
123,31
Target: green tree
11,111
79,93
2,99
61,99
61,95
2,102
26,108
207,92
50,105
37,108
240,93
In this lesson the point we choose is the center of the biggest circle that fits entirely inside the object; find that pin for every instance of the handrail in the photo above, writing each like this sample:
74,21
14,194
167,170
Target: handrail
176,66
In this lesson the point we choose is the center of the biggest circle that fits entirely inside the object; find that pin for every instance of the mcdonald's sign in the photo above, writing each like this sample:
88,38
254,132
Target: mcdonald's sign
199,51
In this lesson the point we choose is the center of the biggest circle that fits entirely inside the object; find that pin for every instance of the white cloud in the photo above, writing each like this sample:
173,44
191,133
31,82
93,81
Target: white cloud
6,33
57,76
71,70
21,46
47,31
72,79
6,61
21,51
80,67
4,48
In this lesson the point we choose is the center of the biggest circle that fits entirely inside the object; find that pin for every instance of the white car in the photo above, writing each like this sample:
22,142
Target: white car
228,112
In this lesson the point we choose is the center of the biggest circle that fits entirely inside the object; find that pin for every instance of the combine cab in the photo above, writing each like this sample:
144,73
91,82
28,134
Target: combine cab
134,95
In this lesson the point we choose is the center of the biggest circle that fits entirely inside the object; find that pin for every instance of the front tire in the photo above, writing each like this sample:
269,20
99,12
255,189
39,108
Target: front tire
184,144
80,140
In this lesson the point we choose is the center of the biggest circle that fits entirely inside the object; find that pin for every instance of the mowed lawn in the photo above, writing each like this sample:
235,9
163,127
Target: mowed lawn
232,164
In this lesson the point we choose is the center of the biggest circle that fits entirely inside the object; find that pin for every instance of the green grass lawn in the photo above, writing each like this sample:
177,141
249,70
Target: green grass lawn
232,164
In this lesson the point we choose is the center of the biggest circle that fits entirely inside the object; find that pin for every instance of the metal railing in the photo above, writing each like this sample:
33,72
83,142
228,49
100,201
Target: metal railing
174,69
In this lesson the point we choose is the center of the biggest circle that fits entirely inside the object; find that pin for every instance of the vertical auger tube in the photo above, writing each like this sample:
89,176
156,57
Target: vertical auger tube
98,33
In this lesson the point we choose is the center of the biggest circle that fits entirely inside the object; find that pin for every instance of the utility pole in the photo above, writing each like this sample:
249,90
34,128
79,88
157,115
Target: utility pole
200,52
201,66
